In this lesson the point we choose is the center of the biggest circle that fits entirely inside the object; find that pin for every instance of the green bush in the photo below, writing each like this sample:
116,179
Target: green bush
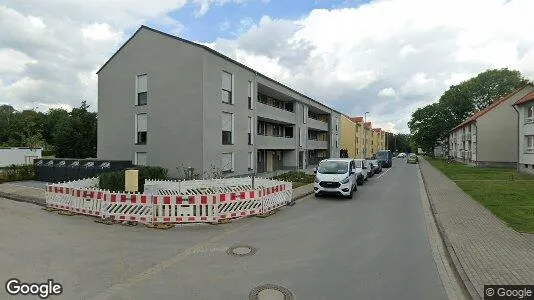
295,177
17,173
114,181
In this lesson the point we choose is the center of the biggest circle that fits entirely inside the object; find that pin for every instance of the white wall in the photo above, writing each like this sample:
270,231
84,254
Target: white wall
18,156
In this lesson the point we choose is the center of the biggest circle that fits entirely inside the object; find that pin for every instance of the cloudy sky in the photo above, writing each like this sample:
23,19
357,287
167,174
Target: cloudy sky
387,57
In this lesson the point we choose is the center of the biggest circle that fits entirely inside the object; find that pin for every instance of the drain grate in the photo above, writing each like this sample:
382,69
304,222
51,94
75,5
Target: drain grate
270,291
241,250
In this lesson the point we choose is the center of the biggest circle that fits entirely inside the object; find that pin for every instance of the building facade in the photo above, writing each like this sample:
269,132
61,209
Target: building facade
166,101
525,111
490,136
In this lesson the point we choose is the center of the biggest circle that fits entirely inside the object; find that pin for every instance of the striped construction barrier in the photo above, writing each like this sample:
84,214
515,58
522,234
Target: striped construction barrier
184,209
127,207
240,204
171,206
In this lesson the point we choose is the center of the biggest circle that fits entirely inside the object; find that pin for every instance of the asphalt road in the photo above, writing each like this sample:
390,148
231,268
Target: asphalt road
374,246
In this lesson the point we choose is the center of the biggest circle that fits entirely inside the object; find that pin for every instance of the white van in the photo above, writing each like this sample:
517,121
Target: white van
335,176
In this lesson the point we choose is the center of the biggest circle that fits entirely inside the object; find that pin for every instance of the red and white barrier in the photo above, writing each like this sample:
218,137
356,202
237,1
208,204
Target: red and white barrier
127,207
184,209
240,204
172,206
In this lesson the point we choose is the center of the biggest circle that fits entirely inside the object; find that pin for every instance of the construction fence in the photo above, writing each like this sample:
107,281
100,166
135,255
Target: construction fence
165,201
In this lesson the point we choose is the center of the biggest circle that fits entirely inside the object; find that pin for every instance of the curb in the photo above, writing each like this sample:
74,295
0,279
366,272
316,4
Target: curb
457,266
299,198
27,199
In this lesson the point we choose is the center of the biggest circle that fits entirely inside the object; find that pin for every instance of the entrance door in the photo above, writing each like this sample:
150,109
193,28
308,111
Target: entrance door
270,161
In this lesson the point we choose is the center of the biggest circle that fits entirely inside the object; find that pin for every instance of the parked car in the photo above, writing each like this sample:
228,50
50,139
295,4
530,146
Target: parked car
336,176
363,167
401,155
412,158
385,158
376,166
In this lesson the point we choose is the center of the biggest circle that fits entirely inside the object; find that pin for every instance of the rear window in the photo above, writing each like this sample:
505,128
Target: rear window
383,155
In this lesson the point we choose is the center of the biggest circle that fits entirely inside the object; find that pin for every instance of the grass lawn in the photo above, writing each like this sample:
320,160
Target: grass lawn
505,192
297,178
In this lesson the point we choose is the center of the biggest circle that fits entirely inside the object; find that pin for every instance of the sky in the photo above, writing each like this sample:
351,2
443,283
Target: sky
385,57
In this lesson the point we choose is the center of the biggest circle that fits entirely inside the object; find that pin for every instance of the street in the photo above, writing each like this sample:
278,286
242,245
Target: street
374,246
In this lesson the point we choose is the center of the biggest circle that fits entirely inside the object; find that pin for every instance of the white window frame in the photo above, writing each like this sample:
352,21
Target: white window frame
251,128
304,113
136,97
232,129
250,95
136,158
232,158
529,149
301,136
527,118
251,160
136,129
231,87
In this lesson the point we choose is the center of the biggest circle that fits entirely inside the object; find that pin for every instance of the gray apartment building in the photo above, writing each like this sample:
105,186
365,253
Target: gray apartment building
165,101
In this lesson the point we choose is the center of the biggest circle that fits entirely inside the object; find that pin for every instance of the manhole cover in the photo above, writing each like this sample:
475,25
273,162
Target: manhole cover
241,250
270,292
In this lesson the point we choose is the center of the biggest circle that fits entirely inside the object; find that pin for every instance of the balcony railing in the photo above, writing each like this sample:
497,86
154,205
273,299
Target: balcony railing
317,144
316,124
275,142
276,114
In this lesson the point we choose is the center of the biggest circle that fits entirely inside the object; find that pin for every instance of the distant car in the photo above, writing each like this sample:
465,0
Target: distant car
372,167
336,176
385,158
364,169
376,165
401,155
412,158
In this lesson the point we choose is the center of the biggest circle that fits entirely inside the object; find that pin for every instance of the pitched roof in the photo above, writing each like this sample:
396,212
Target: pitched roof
527,98
367,125
357,119
488,108
213,52
377,129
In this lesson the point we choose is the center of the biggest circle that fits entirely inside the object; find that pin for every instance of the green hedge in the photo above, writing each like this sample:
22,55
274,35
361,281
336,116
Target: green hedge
296,177
114,181
17,173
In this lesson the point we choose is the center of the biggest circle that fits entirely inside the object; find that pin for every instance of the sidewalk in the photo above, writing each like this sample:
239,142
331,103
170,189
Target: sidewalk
483,249
25,191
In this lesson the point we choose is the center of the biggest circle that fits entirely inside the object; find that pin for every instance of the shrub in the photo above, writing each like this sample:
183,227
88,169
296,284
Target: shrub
114,181
296,177
17,172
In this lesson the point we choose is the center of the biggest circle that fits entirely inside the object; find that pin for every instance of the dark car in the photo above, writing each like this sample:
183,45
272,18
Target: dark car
377,165
385,158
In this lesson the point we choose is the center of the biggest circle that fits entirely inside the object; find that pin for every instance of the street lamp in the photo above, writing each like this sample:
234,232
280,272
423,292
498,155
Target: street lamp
365,135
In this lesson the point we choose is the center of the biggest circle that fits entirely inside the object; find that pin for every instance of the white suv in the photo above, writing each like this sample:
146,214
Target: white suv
336,176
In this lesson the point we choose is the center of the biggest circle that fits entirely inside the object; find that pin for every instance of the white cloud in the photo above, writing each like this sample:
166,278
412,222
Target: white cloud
416,48
387,92
224,25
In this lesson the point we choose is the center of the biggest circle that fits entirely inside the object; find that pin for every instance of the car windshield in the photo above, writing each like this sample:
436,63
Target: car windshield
333,167
382,155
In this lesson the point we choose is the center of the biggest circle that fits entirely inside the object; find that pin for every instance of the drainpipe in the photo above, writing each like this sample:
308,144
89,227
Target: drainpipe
518,117
254,129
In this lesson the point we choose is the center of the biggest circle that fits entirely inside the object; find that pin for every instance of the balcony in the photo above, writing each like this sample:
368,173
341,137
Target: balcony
275,142
275,114
317,125
315,144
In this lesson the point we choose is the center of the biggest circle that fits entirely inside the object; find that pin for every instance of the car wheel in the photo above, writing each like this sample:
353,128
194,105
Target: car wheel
366,177
317,195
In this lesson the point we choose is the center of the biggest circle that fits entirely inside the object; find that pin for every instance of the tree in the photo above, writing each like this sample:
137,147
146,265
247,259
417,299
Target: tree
75,136
433,122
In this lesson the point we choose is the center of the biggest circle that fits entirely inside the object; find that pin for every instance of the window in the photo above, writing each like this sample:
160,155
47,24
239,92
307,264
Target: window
250,128
530,115
529,143
227,88
140,158
227,162
301,137
277,130
141,129
289,132
357,140
227,128
261,128
249,97
250,161
304,113
142,90
337,141
356,151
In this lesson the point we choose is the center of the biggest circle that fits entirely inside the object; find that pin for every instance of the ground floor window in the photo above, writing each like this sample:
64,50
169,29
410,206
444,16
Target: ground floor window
227,162
140,158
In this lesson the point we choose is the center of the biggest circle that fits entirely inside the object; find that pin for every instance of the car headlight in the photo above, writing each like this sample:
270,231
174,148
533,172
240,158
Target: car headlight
317,180
346,180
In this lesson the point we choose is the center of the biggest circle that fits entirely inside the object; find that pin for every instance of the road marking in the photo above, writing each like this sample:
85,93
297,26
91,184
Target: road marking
150,272
448,277
384,172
